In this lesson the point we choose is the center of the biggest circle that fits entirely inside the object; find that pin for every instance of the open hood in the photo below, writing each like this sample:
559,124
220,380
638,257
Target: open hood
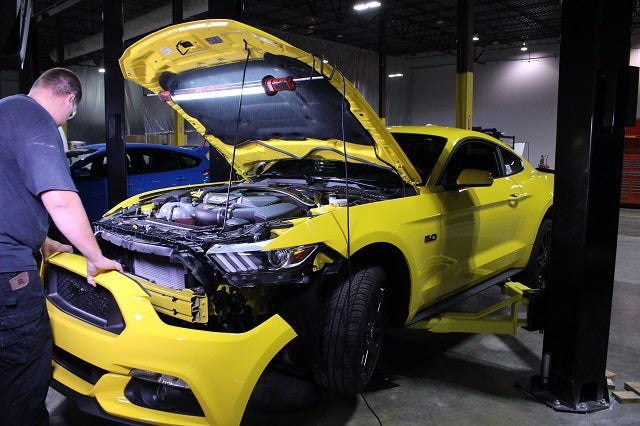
258,99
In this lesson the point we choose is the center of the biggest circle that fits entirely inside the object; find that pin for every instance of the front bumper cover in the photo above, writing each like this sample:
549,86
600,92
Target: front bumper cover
221,369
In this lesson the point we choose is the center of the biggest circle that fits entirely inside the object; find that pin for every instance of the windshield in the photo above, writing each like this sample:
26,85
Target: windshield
326,170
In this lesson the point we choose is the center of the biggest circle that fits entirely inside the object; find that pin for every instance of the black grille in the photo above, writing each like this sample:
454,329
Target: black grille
72,294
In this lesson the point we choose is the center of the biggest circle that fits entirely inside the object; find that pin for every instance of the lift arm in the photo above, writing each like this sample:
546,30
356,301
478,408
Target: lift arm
487,321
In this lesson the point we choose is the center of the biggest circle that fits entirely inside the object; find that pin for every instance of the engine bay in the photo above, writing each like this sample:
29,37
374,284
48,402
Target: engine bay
167,239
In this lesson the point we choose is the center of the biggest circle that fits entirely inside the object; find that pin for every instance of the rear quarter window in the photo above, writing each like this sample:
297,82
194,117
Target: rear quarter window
512,163
187,161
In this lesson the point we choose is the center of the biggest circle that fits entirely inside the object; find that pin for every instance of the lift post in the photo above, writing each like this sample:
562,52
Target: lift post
597,94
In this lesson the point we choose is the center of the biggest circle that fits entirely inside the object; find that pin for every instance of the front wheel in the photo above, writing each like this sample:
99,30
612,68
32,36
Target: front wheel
353,316
536,274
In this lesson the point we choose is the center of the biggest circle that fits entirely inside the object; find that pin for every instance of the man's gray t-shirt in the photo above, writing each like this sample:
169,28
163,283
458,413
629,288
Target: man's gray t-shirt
32,161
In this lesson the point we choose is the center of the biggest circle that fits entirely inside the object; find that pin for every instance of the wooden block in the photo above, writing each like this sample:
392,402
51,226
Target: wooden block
609,375
625,397
632,386
610,384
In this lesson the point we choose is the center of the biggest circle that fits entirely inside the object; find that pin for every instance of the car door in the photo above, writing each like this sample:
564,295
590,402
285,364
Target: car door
153,168
90,178
480,225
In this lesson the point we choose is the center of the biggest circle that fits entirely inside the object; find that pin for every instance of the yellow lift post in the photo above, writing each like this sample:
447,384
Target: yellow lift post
487,320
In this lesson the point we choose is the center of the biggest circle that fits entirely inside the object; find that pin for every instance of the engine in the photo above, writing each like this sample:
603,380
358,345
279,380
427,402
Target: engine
173,241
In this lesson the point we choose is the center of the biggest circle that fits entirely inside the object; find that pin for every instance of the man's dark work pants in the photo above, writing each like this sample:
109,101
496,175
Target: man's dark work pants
25,350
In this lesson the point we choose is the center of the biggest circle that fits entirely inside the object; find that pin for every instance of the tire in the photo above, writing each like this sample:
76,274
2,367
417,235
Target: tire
536,274
352,328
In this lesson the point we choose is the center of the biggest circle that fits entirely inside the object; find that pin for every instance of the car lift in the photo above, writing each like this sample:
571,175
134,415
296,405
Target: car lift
489,320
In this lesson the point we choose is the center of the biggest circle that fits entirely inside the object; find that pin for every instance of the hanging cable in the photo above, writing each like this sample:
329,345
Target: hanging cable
346,180
235,138
346,172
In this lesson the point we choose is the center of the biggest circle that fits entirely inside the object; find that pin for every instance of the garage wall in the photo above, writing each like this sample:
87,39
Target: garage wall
517,95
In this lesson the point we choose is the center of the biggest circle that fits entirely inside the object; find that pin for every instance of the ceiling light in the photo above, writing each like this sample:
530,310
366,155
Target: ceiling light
101,70
524,47
476,37
398,74
366,5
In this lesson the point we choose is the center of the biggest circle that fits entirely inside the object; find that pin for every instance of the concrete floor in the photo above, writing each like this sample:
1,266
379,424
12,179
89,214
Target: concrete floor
445,379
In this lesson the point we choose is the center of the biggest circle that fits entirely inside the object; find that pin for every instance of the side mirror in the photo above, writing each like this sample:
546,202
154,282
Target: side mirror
472,178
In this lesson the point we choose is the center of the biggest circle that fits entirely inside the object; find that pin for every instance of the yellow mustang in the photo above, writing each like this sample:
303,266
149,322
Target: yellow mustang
333,228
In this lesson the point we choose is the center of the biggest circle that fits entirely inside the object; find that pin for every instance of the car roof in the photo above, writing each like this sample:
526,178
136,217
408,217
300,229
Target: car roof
200,151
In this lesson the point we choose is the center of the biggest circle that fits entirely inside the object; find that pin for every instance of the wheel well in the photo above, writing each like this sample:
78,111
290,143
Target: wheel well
390,258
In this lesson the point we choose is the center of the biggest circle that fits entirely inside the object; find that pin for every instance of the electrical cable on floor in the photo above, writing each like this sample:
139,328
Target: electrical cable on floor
371,409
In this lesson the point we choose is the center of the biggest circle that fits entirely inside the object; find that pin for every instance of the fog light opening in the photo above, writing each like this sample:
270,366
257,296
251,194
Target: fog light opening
161,392
161,379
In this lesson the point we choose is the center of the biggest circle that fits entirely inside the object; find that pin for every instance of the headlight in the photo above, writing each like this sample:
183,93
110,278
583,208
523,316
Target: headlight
247,264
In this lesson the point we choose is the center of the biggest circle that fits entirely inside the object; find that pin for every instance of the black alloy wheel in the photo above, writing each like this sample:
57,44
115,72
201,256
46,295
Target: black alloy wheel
536,275
353,319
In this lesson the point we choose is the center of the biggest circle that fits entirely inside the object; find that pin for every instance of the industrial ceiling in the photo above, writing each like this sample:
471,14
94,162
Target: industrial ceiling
411,28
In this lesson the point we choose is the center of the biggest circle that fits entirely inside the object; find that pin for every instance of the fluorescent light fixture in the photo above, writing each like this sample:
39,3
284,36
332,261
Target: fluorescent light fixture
269,86
102,70
476,37
366,5
398,74
524,47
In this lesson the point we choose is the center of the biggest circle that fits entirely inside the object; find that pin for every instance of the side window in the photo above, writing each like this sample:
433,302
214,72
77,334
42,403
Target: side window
187,161
135,162
99,167
512,163
472,154
160,161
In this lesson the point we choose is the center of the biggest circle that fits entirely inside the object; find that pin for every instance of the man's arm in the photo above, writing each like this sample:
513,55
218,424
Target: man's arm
67,212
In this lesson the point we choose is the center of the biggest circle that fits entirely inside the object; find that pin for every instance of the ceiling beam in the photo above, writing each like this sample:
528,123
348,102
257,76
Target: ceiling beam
141,25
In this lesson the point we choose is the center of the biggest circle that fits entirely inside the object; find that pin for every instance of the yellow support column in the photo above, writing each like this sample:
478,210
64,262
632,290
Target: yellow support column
464,100
178,130
464,68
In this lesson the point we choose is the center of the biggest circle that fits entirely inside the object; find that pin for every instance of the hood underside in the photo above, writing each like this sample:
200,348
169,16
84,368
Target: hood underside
257,99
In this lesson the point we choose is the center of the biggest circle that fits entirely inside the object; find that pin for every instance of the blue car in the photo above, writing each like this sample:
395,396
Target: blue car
148,167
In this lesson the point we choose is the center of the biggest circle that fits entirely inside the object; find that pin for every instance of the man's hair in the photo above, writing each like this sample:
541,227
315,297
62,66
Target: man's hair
61,81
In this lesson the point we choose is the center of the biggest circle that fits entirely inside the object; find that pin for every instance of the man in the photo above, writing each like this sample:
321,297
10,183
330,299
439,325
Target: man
35,183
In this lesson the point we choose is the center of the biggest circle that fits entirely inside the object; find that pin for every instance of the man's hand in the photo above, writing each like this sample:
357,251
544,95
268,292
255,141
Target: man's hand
50,247
67,212
99,266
